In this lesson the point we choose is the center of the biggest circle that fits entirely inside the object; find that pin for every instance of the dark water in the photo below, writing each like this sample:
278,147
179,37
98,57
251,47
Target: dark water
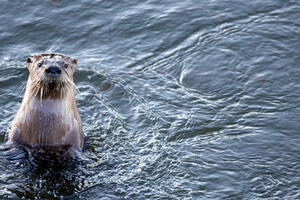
179,99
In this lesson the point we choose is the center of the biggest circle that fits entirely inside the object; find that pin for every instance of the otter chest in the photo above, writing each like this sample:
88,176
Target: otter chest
47,121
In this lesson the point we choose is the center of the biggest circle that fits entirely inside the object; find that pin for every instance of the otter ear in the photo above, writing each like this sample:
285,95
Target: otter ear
28,61
74,61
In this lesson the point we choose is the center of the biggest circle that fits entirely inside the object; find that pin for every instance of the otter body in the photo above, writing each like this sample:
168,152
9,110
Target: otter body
48,115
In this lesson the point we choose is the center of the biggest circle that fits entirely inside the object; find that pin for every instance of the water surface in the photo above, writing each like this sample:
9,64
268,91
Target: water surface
179,99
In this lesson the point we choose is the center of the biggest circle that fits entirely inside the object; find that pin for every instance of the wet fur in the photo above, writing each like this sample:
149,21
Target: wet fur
48,115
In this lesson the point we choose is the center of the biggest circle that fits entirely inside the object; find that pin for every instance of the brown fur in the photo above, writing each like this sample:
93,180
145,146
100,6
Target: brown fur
48,115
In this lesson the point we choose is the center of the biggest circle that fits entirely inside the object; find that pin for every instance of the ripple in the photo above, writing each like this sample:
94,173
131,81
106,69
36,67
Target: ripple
179,100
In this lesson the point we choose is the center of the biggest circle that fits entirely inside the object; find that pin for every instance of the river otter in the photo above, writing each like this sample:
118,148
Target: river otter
48,115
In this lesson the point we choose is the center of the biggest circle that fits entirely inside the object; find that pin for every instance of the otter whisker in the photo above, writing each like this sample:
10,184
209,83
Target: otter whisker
73,84
23,87
41,97
36,87
35,90
46,89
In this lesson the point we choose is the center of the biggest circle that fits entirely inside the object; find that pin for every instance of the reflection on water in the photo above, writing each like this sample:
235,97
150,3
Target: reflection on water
179,99
44,175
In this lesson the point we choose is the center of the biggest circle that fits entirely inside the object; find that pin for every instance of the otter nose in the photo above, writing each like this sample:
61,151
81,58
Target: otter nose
53,70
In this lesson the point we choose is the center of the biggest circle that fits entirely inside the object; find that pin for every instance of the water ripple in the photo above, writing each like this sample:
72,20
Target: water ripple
179,100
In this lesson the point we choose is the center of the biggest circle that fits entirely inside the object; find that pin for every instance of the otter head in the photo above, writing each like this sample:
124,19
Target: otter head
51,75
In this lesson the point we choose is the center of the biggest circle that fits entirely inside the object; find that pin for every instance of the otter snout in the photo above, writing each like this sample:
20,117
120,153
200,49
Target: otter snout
53,70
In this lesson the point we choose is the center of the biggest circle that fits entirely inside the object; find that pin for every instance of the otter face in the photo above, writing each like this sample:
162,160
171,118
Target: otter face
51,73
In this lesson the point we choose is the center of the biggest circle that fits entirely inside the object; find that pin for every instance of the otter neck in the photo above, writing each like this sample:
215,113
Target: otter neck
49,90
48,105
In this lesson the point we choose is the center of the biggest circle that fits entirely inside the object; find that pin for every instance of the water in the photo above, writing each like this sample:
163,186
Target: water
179,99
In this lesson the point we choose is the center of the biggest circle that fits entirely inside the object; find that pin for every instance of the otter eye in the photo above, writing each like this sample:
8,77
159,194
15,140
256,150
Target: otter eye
40,64
66,66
